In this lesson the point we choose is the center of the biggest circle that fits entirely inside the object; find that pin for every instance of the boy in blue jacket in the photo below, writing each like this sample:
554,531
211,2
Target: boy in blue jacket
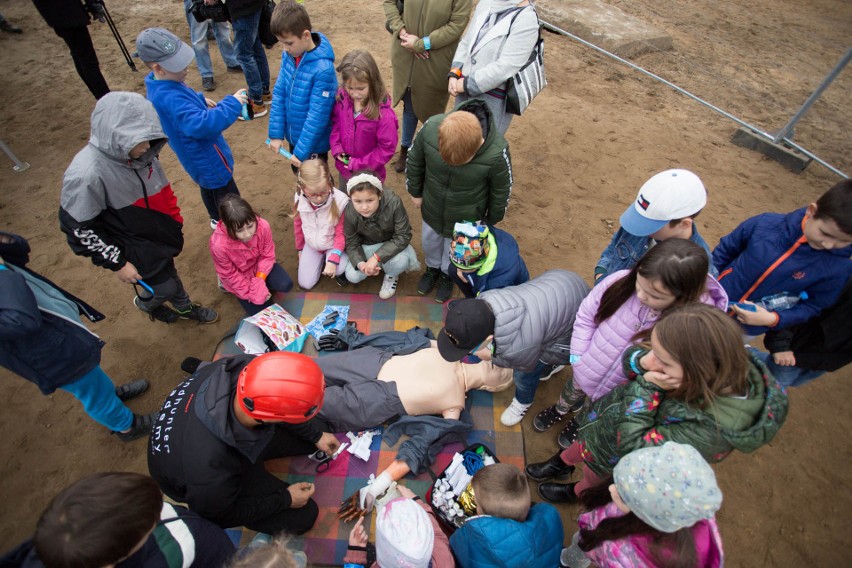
807,250
484,258
303,97
192,123
507,532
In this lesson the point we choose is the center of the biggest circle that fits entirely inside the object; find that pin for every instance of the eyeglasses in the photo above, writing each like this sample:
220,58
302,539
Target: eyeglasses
316,195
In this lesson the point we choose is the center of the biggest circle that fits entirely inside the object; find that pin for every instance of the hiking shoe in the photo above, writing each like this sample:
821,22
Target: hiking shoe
558,492
568,435
514,413
160,313
342,280
267,98
259,109
555,370
131,389
141,427
428,280
545,419
445,289
399,165
198,313
235,69
388,287
208,84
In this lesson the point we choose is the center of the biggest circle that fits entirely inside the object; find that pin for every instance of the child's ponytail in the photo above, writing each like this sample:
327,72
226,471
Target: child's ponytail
680,265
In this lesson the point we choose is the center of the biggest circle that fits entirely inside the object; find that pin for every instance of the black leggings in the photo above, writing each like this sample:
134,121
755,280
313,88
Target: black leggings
212,196
85,59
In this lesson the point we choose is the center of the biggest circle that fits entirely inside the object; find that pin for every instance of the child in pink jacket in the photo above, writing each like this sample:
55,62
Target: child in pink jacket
363,123
625,303
244,255
657,511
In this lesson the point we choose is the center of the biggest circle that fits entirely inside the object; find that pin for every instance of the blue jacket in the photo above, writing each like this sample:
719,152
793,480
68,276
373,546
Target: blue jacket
303,99
195,131
496,542
41,338
751,251
625,250
509,268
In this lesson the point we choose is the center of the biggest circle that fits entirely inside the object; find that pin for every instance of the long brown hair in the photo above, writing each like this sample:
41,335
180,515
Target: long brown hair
361,66
312,173
668,550
678,264
708,345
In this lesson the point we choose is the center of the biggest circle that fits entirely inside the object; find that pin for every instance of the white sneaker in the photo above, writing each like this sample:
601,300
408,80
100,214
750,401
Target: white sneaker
555,370
514,413
213,224
388,287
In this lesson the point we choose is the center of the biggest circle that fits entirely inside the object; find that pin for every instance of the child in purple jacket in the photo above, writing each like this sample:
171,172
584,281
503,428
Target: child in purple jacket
363,123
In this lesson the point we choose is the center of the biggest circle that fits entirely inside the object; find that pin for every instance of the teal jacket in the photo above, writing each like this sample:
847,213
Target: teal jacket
637,414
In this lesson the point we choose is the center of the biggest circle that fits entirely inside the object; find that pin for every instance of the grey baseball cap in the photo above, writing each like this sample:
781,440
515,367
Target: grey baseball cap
156,45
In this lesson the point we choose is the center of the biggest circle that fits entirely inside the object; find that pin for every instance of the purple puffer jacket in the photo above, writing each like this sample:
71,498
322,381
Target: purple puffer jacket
369,143
600,369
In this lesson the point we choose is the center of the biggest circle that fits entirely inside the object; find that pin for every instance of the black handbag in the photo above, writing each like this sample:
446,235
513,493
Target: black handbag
267,38
217,12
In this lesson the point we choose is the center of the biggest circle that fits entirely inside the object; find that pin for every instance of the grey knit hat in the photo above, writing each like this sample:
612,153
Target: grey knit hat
669,487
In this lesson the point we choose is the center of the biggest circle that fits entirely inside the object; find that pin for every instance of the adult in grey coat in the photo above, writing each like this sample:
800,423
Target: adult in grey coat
526,328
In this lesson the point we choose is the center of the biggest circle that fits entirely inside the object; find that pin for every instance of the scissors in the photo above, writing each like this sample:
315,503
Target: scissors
323,466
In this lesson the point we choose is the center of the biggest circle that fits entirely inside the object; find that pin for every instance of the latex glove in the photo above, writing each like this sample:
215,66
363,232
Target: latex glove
374,488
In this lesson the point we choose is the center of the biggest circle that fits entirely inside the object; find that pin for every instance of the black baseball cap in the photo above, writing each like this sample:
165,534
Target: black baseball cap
467,325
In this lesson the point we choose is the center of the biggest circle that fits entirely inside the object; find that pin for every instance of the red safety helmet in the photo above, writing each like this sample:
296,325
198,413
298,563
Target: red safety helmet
281,385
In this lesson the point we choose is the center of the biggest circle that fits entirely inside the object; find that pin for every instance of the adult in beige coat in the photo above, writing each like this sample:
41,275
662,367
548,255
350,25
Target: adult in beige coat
424,39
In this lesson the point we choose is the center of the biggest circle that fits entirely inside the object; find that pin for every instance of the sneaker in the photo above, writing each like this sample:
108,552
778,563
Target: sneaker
259,109
555,370
568,435
545,419
141,427
10,28
514,413
220,285
213,224
267,98
388,287
160,313
342,280
445,289
208,84
198,313
235,69
131,389
428,280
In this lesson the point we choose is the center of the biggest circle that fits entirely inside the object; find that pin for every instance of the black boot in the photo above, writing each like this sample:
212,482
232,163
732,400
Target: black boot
558,492
554,467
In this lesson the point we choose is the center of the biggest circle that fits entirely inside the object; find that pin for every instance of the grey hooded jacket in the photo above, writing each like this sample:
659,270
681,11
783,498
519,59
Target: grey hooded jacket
534,320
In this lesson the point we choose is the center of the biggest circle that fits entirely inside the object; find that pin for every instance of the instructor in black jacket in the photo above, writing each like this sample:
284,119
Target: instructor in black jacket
217,427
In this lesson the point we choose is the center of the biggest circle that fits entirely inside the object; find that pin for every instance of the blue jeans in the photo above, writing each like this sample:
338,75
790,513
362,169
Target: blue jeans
277,281
198,37
96,393
409,120
526,382
787,376
251,56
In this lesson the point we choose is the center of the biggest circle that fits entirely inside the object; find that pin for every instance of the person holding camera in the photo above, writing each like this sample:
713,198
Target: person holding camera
69,19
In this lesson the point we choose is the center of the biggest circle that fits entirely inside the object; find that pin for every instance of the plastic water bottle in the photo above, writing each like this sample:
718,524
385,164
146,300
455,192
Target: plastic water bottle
781,301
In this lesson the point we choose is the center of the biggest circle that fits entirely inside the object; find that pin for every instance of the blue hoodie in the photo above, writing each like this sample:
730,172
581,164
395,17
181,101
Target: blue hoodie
195,131
303,99
494,542
766,247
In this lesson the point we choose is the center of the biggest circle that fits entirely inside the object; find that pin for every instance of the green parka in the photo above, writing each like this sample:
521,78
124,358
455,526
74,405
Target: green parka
637,414
444,22
388,225
476,191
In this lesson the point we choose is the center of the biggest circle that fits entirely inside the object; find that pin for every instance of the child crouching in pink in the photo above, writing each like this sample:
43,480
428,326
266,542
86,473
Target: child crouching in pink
244,255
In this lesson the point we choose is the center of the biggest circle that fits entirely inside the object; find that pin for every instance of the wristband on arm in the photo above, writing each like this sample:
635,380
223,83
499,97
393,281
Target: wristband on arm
427,43
455,72
261,275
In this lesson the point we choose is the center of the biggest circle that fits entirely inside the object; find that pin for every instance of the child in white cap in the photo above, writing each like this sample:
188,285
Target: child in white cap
407,536
659,510
666,207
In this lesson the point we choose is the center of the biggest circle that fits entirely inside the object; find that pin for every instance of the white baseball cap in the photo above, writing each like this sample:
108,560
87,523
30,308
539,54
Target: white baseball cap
672,194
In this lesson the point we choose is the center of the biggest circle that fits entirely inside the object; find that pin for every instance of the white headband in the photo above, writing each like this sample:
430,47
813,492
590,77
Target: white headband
364,178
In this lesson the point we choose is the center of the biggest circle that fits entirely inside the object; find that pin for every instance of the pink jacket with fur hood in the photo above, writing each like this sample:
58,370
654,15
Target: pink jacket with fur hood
237,262
601,346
